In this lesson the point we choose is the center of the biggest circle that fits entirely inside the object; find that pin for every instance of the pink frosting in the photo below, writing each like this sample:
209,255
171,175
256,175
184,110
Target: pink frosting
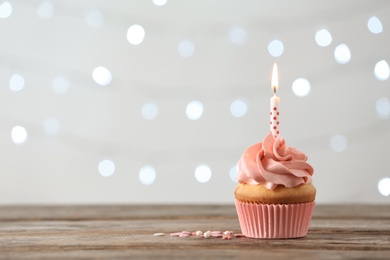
273,163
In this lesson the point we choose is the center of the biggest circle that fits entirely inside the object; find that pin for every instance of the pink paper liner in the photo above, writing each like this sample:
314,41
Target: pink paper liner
274,220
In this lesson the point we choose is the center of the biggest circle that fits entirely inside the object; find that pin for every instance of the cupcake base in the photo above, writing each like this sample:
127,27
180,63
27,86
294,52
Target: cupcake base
273,221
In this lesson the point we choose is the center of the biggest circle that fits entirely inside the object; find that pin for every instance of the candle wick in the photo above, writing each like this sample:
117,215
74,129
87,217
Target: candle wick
274,90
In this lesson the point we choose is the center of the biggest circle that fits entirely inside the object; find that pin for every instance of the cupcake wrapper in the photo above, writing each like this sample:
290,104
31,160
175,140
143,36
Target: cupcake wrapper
274,220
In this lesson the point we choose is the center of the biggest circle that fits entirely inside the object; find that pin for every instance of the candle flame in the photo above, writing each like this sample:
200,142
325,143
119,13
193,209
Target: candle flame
275,82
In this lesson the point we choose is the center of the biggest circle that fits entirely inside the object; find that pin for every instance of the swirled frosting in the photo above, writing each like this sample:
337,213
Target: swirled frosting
272,163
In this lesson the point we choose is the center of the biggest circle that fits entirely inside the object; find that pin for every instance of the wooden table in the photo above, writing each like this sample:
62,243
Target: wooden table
37,232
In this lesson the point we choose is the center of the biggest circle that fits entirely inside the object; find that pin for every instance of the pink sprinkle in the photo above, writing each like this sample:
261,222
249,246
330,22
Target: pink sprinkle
216,235
239,235
229,236
175,234
186,232
193,233
184,235
216,232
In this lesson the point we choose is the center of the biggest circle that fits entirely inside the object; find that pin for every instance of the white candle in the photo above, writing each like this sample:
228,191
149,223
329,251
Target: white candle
274,112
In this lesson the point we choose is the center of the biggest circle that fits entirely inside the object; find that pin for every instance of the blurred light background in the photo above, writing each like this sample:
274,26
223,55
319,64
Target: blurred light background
154,101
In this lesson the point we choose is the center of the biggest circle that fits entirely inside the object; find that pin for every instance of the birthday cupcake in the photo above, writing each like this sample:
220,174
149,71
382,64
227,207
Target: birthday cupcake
275,195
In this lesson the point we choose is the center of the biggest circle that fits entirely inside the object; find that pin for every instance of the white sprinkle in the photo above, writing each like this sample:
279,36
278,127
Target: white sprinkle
207,234
158,234
199,233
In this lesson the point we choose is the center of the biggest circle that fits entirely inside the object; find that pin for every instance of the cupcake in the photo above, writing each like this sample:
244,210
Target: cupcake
275,195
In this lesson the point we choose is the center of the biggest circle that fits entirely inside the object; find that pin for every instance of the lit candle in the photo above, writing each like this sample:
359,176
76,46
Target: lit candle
274,113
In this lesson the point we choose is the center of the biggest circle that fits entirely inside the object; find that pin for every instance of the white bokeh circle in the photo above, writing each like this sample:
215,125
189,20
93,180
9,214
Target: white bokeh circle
342,54
106,168
276,48
147,175
203,173
323,38
382,70
102,76
338,143
135,34
19,134
301,87
194,110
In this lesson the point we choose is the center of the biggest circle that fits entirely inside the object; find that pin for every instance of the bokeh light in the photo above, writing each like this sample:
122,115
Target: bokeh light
382,70
384,187
51,126
275,48
186,49
45,10
383,107
203,173
342,54
149,111
237,35
233,173
238,108
135,34
94,19
301,87
374,25
194,110
159,2
106,168
102,76
323,38
338,143
60,85
19,134
147,175
16,82
5,10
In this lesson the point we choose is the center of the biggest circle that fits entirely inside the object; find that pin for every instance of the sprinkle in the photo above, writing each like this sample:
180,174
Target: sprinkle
227,236
158,234
198,233
208,234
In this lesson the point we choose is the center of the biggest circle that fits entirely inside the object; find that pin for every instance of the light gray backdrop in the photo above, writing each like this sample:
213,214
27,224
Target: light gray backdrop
214,52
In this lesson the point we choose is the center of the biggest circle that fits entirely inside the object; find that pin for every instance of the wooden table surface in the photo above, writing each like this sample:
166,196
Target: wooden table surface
127,231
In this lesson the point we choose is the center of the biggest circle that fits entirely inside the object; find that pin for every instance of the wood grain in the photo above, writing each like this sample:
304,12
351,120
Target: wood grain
122,231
